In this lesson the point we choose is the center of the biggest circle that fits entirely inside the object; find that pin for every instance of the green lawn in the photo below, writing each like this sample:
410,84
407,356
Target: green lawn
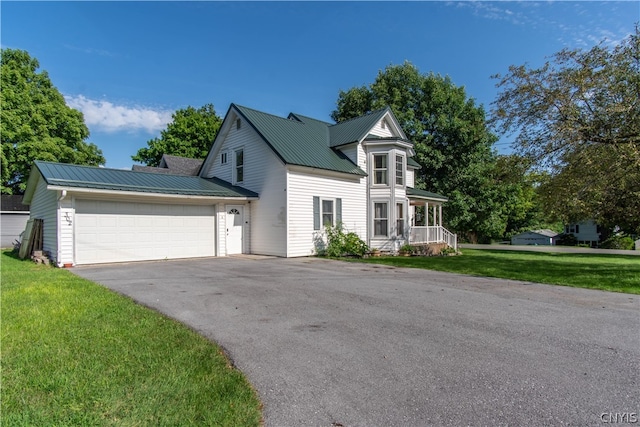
618,273
75,353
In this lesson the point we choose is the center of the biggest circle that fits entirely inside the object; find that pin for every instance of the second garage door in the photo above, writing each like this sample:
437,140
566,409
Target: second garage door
107,231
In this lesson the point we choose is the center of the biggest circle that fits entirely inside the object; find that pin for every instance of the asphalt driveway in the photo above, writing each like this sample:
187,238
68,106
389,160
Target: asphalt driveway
328,343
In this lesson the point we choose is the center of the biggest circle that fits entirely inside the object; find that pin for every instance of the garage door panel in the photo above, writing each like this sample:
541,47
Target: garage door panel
119,231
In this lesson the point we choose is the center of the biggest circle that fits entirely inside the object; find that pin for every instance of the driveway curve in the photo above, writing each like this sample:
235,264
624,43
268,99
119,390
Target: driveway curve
329,343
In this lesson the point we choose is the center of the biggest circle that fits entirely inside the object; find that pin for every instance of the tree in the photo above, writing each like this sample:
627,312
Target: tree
578,117
452,142
36,123
190,134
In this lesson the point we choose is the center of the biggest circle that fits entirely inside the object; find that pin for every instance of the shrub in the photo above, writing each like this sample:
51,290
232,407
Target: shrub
340,243
618,242
567,240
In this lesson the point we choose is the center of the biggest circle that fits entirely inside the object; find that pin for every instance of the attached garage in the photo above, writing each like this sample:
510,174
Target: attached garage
97,215
109,231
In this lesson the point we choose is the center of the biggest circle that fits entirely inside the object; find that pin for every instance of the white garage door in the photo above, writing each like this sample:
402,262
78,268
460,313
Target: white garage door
122,231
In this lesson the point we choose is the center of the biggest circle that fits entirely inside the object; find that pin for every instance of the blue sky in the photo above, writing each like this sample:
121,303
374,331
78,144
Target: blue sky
128,65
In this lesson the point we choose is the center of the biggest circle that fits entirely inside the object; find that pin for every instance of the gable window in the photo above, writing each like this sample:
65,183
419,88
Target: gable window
238,124
239,156
380,169
399,170
223,158
380,219
400,219
326,212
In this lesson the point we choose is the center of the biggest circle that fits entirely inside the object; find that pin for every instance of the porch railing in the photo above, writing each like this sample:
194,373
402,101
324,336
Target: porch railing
433,234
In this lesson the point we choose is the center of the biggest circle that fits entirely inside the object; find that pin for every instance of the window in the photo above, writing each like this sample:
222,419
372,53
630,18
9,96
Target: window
238,124
239,165
223,158
399,170
380,169
326,212
400,219
380,219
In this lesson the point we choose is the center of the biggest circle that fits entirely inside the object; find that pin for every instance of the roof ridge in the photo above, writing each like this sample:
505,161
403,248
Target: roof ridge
242,107
379,110
312,118
106,168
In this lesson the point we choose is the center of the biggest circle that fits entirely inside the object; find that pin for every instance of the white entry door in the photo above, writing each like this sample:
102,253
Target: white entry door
235,220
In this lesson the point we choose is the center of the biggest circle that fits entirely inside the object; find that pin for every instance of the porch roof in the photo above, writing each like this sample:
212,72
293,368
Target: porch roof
414,193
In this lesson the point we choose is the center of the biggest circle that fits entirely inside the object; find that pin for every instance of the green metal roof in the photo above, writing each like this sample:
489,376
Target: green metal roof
413,163
299,142
355,129
425,194
74,176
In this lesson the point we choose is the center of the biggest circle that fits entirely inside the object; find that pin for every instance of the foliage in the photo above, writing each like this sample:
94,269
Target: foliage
340,243
618,242
74,353
406,248
36,123
452,142
578,117
616,273
567,240
190,134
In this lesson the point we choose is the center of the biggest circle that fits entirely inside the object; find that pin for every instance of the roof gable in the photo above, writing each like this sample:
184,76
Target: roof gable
89,177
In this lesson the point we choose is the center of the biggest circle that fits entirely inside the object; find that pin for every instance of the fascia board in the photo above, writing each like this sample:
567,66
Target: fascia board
324,172
90,191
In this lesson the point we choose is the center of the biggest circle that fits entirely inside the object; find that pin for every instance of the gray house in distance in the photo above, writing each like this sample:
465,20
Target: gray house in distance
14,216
535,237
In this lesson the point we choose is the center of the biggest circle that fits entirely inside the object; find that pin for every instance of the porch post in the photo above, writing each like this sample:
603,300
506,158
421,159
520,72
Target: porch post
426,214
440,215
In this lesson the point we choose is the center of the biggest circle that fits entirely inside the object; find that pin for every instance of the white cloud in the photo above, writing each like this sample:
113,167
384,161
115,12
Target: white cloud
108,117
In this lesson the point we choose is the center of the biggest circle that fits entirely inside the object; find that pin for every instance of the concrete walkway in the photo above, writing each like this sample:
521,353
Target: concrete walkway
330,343
543,248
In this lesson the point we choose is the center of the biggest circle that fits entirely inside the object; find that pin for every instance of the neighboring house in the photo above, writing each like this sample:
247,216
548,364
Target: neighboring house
175,165
535,237
269,185
585,232
14,216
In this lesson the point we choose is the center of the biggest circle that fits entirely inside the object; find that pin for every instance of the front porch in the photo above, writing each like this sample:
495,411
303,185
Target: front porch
426,219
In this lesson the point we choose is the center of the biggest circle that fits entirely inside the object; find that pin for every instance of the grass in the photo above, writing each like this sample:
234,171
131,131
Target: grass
75,353
617,273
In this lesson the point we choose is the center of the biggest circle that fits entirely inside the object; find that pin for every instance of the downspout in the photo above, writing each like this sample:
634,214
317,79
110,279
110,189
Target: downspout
63,194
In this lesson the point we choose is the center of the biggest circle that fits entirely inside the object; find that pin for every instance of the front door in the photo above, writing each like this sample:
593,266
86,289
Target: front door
234,229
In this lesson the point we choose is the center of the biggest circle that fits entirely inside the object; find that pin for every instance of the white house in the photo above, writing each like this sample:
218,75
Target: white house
268,186
585,232
535,237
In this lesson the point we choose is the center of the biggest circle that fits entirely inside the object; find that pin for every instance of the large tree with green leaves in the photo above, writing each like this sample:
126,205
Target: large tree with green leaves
452,142
190,134
578,118
36,123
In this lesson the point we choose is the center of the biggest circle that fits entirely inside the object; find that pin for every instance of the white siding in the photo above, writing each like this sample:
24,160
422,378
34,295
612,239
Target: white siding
264,173
301,189
351,151
379,131
66,222
44,205
411,178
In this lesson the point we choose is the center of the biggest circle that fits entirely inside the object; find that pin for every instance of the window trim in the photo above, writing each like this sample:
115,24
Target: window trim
323,224
374,169
375,219
401,216
402,170
237,166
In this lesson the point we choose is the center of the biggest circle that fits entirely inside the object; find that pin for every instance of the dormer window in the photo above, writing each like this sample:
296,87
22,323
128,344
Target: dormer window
380,169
